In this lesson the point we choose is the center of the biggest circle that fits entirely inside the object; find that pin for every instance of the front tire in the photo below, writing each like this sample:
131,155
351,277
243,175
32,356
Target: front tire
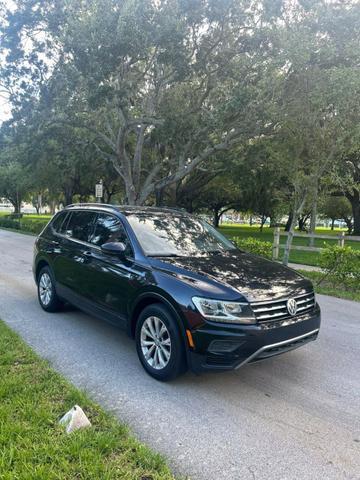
48,299
159,345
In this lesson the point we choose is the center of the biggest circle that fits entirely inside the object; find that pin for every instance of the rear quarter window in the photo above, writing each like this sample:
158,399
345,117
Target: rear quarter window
58,221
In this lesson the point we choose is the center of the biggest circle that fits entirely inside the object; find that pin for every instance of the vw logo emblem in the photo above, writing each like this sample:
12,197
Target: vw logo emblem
292,306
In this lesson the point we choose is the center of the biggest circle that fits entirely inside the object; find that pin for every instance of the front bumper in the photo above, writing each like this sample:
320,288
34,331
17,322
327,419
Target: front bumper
227,347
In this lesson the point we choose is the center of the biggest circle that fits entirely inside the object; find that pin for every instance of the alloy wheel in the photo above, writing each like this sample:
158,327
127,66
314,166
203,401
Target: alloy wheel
155,342
45,289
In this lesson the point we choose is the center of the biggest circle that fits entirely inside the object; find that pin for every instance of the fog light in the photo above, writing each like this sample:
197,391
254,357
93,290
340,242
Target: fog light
223,346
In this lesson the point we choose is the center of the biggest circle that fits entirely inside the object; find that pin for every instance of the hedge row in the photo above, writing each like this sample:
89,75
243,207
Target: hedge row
31,225
255,246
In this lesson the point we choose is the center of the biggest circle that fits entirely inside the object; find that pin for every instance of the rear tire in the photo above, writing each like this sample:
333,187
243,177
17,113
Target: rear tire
159,344
48,298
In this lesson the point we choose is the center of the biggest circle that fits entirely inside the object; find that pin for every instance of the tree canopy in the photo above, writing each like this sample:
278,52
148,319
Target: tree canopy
251,103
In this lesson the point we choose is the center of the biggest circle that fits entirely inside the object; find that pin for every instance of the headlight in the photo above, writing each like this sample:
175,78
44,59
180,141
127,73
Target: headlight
222,311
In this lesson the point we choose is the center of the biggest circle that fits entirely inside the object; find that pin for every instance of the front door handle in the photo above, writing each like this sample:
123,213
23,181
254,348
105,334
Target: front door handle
87,253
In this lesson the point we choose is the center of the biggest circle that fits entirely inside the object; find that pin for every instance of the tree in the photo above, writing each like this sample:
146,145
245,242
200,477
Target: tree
15,184
260,175
316,99
220,195
346,178
163,86
337,208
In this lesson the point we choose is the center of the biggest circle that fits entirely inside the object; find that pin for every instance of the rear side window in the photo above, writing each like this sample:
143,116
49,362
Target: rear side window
110,229
80,226
56,224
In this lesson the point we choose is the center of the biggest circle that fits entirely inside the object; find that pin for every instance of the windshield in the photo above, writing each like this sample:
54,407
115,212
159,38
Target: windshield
168,234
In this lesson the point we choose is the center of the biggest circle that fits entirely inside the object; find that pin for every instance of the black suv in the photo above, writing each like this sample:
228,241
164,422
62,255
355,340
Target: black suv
187,295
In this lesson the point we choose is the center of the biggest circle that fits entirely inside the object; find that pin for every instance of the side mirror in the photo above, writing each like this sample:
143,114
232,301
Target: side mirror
114,248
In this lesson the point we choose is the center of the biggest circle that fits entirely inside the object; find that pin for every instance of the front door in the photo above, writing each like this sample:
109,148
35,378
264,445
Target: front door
113,281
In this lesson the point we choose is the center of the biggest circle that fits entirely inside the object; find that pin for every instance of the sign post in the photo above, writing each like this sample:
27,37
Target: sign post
99,191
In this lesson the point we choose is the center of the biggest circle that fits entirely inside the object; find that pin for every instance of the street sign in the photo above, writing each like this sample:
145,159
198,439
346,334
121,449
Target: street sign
99,190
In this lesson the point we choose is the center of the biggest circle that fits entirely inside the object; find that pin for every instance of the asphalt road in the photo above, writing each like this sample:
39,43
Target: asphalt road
292,417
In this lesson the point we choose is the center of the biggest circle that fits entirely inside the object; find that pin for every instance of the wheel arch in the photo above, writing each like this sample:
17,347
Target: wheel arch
151,298
39,266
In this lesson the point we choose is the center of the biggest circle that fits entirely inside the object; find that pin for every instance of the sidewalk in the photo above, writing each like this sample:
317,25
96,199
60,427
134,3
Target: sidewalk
309,268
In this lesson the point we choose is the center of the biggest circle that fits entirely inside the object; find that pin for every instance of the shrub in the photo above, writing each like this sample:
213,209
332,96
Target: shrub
252,245
25,224
33,225
341,265
7,222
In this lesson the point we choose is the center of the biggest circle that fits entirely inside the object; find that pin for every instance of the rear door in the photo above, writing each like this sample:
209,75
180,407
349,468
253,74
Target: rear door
70,267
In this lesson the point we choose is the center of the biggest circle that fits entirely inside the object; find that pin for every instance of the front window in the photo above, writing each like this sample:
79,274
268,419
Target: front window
109,229
168,234
79,225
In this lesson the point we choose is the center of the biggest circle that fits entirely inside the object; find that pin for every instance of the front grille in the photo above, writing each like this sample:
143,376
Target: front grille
277,309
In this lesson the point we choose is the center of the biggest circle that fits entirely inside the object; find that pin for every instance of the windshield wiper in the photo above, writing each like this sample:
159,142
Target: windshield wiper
165,255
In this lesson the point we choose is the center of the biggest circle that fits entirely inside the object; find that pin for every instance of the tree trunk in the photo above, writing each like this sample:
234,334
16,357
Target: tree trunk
355,205
332,223
159,197
52,207
216,217
68,194
354,199
17,206
263,220
302,221
107,196
349,225
313,220
289,221
297,213
356,214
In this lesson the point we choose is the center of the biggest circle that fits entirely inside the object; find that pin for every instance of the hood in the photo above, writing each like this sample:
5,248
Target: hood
254,277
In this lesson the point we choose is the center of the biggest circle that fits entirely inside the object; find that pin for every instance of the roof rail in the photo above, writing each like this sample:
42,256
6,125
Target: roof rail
91,204
119,207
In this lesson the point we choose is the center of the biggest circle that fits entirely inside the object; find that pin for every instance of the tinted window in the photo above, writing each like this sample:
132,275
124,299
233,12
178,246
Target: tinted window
109,229
58,221
80,226
167,234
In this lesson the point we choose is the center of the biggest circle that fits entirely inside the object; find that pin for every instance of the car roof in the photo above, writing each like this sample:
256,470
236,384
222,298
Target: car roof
126,209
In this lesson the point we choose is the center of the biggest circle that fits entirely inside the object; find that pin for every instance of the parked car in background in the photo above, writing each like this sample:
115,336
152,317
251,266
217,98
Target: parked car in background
187,295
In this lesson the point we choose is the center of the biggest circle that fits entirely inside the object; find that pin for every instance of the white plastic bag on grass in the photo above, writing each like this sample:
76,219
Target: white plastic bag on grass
75,419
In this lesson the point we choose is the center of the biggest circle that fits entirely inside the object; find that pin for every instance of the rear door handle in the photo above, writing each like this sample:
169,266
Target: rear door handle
55,247
87,253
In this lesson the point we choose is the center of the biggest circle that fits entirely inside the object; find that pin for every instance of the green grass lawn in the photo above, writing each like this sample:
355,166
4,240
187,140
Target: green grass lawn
296,256
329,288
33,397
